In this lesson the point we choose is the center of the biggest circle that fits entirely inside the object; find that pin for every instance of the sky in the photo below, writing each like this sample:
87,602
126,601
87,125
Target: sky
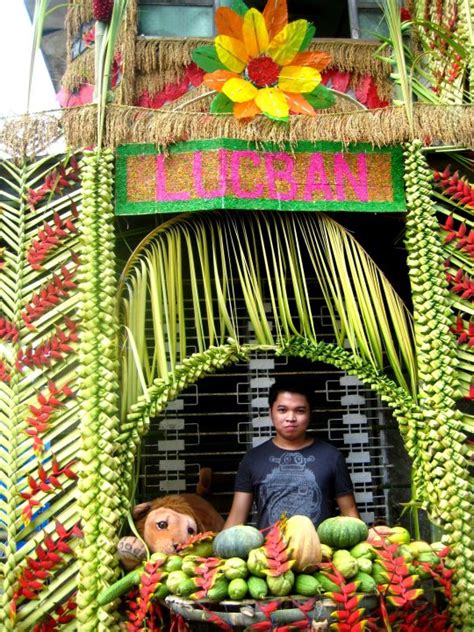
15,51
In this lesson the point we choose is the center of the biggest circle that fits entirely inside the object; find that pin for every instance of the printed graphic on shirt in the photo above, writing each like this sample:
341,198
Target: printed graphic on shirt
292,488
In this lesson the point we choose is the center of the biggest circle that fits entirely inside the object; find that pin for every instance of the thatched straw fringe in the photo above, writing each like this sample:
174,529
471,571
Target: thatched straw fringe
26,136
127,39
387,126
78,13
81,70
351,55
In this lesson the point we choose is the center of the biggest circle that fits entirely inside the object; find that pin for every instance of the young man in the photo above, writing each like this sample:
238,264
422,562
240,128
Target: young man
291,473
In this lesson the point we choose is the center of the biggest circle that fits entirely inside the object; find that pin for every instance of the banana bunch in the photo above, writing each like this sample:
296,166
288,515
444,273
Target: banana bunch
446,490
99,480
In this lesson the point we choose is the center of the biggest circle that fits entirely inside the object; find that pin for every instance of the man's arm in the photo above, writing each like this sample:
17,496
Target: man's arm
347,506
239,512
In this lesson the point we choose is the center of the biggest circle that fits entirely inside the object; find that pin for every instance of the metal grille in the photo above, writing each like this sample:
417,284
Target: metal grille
214,422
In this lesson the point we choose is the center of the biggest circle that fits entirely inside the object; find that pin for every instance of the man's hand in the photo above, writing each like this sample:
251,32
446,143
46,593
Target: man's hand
239,512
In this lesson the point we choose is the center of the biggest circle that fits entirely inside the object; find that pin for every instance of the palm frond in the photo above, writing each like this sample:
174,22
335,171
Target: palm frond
38,409
277,265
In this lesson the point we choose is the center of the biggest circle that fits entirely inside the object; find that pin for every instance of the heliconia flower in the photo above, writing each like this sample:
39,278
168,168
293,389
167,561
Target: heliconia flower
258,64
102,10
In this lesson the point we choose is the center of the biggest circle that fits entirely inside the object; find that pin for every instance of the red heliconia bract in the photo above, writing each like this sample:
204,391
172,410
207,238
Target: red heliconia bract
102,10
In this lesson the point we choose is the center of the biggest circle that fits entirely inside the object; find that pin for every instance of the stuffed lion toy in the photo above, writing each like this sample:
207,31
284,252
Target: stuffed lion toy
164,523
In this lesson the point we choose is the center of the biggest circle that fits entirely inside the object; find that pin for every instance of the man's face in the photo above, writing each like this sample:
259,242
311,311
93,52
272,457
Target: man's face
290,415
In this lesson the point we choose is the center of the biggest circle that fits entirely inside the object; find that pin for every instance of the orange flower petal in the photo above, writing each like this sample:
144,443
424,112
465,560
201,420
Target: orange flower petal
231,52
255,33
316,59
229,22
299,105
248,109
215,80
276,16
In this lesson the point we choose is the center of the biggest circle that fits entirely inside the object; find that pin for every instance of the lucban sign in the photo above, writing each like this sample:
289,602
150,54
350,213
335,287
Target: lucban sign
234,174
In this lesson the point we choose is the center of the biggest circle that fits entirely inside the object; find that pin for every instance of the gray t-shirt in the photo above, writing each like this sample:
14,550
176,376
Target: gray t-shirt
296,482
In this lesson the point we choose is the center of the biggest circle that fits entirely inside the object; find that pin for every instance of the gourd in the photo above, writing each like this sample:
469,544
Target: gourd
281,585
364,564
219,591
257,562
303,543
237,588
235,567
367,583
326,584
363,549
258,587
237,541
345,563
307,585
342,532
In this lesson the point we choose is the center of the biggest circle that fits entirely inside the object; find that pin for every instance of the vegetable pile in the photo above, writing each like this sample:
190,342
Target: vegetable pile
342,560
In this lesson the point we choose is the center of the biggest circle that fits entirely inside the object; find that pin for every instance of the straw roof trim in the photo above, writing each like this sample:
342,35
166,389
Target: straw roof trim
451,125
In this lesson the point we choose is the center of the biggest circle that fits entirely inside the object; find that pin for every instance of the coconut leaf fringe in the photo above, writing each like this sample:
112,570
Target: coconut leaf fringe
450,125
447,487
99,479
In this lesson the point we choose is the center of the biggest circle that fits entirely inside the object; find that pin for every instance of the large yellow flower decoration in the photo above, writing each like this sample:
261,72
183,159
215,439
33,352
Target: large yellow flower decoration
258,64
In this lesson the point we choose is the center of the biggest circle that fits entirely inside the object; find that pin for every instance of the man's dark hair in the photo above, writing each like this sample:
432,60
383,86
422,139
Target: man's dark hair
290,385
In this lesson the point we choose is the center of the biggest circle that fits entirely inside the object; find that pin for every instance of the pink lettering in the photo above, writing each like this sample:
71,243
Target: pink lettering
237,156
162,195
284,174
198,175
316,179
358,182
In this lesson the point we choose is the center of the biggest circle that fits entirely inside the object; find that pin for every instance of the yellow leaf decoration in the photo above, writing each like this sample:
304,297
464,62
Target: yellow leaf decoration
284,46
298,79
239,90
231,52
272,102
255,33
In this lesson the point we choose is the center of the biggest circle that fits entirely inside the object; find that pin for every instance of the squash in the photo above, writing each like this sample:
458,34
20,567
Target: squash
342,532
345,563
258,587
302,543
237,588
307,585
281,585
257,562
367,583
326,584
235,568
237,541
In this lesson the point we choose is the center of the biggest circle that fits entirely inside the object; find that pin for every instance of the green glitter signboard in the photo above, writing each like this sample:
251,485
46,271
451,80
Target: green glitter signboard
234,174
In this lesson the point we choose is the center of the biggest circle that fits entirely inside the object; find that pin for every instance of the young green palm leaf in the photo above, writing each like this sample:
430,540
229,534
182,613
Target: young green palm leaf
265,253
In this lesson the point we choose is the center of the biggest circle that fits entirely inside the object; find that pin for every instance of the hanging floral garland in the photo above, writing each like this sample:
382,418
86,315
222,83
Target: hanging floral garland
259,64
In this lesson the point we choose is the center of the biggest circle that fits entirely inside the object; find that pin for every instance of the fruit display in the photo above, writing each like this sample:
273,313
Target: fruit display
289,562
